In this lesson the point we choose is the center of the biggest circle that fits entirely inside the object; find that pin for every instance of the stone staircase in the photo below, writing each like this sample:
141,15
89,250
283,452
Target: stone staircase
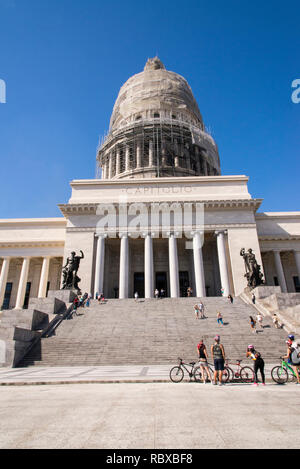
149,332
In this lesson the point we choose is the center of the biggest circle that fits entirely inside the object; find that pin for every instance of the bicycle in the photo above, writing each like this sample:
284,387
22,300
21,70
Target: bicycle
200,369
283,373
177,372
243,373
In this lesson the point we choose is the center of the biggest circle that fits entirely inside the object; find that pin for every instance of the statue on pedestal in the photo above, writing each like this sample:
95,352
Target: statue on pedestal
253,274
69,273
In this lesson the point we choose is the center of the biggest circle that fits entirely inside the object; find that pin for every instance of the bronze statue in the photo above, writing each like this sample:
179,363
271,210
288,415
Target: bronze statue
253,274
69,272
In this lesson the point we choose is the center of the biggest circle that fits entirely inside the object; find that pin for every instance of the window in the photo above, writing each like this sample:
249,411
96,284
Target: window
276,283
7,295
156,115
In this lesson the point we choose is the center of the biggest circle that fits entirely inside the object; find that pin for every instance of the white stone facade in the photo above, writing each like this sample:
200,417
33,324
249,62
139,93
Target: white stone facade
163,219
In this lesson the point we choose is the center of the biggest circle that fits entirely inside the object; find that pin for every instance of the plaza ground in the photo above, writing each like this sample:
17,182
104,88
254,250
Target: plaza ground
146,415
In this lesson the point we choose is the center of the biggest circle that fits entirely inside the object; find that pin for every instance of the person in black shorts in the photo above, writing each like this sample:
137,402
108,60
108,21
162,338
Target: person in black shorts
218,355
259,364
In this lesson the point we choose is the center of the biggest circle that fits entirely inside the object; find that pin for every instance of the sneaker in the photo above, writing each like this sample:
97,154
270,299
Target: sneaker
255,384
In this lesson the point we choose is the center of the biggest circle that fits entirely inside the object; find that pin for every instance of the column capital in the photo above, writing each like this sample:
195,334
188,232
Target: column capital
196,232
173,234
152,234
100,235
218,232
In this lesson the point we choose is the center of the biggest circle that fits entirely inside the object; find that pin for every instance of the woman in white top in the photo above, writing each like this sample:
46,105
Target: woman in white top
259,319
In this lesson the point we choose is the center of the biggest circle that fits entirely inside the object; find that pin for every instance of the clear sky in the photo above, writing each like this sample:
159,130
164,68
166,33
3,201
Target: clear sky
64,61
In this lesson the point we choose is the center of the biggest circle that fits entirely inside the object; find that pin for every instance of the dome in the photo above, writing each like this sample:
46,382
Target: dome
156,130
155,92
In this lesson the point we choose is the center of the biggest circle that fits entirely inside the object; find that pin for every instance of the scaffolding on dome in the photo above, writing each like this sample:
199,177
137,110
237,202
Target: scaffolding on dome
155,148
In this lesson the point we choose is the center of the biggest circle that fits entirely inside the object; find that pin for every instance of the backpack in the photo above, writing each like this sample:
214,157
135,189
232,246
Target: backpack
295,356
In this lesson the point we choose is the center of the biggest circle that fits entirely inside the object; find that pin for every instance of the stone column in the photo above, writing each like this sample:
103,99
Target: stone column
297,260
99,268
198,265
3,278
149,277
173,267
22,283
110,165
44,278
280,272
124,267
176,151
197,158
138,155
105,169
223,262
127,158
163,155
118,163
151,154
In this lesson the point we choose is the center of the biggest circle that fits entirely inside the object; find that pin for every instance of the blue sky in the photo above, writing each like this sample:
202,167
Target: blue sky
64,61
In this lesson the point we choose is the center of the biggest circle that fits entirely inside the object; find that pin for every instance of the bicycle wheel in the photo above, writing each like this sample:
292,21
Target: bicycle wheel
176,374
230,373
247,374
279,375
226,375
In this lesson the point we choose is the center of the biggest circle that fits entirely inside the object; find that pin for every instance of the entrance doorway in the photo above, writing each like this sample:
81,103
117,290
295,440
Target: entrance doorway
139,284
161,282
183,282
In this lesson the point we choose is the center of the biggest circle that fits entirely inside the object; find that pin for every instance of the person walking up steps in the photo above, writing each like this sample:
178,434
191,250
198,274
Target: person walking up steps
201,309
259,320
276,321
259,364
218,355
196,309
220,318
252,324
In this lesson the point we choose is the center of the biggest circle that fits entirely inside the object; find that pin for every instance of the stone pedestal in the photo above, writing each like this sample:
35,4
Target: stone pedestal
67,296
263,291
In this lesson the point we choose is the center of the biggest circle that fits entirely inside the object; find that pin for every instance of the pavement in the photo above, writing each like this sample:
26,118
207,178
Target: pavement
115,408
155,416
93,374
